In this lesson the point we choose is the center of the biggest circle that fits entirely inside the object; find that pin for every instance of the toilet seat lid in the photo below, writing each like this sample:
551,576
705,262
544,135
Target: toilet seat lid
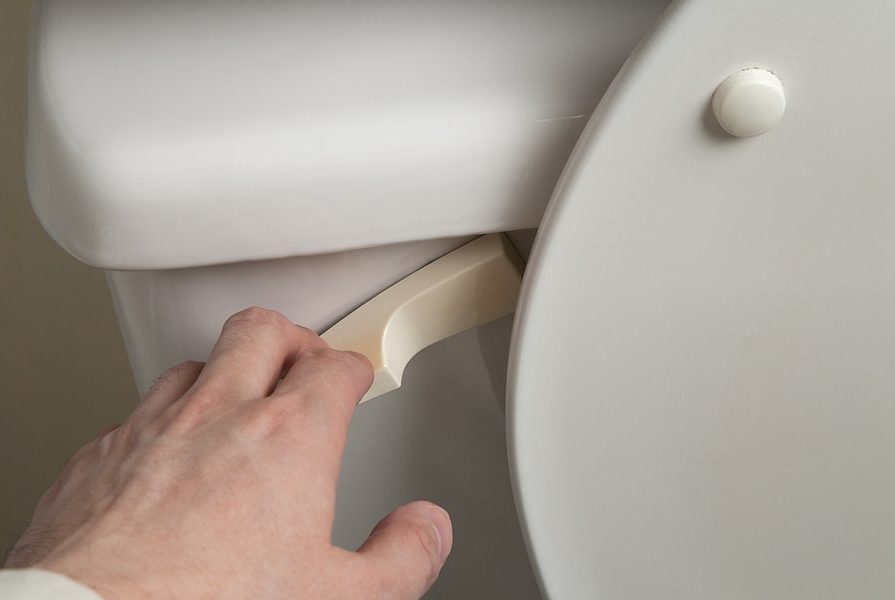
701,384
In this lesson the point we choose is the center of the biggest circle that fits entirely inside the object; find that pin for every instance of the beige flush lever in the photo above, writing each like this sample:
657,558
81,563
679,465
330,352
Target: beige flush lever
472,285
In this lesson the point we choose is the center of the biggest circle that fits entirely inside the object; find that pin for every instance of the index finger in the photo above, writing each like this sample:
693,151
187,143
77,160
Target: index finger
310,411
324,386
254,348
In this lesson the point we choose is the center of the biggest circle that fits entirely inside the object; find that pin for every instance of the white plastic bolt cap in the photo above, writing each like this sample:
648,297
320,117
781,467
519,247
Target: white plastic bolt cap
749,102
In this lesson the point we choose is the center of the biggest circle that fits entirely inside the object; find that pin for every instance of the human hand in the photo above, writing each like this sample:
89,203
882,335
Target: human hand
222,484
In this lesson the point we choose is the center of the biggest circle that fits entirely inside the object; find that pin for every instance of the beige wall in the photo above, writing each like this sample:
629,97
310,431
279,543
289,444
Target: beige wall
63,371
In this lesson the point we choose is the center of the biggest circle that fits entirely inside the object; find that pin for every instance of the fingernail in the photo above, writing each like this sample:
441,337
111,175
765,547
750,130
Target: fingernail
441,524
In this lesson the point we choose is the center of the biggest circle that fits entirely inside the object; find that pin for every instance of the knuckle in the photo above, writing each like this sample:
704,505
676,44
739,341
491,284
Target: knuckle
255,325
343,371
106,434
310,333
338,359
124,437
255,315
335,365
188,366
322,353
160,382
362,363
172,374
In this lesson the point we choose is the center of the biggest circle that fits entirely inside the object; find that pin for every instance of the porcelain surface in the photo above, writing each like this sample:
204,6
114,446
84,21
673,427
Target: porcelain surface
178,134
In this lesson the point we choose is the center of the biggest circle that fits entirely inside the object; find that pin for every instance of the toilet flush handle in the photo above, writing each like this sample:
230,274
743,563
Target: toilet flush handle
472,285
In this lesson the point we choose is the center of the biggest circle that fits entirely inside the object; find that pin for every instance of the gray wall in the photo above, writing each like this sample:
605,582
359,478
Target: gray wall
63,371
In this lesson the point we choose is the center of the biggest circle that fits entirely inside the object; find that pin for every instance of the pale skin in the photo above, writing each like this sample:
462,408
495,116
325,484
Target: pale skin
222,484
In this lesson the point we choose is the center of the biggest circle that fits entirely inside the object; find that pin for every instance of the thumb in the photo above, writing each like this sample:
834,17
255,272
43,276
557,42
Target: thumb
407,549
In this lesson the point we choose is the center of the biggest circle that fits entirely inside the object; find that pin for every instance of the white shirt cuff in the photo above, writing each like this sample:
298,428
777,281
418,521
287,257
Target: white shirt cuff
37,584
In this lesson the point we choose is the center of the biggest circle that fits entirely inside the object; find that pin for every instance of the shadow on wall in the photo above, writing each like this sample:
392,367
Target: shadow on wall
63,371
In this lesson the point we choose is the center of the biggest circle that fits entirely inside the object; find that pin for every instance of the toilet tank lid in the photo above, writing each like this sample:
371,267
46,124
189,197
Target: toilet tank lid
165,135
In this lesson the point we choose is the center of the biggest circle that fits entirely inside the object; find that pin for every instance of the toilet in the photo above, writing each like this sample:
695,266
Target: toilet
695,397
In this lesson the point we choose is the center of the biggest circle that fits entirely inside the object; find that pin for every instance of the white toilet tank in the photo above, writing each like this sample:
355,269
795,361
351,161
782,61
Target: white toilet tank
304,156
169,135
